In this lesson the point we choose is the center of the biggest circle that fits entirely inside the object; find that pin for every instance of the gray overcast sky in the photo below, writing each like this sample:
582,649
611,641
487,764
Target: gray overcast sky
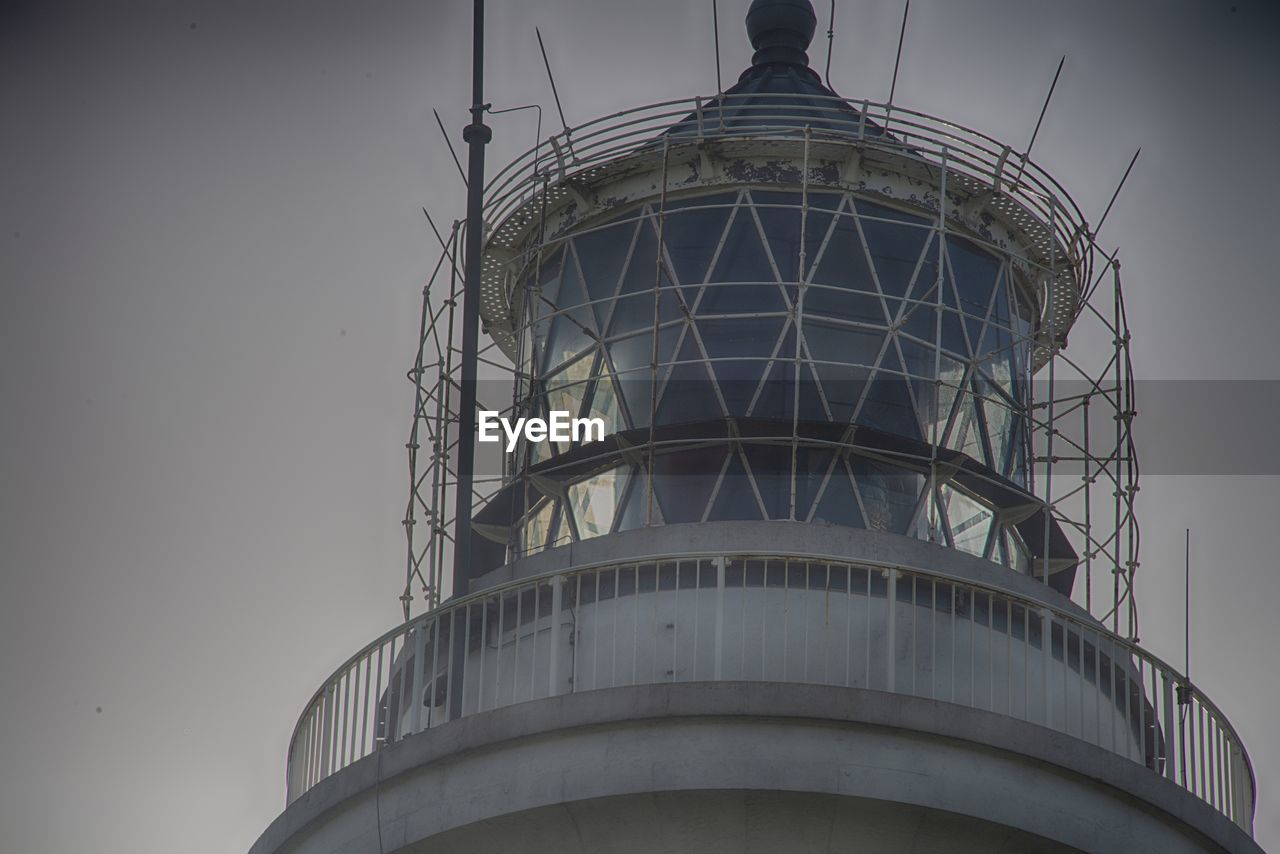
211,256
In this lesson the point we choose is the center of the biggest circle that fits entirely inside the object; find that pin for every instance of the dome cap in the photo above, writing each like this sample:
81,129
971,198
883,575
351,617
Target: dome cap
780,31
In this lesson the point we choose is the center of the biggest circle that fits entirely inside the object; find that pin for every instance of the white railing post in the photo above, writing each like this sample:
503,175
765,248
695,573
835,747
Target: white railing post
1046,623
719,668
891,626
1166,680
553,678
417,693
326,721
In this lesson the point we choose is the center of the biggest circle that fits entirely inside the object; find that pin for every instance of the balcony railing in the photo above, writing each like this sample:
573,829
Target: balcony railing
727,617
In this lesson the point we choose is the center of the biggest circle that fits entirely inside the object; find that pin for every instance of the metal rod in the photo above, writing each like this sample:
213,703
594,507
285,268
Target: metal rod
902,34
449,143
554,92
1045,107
1116,194
439,239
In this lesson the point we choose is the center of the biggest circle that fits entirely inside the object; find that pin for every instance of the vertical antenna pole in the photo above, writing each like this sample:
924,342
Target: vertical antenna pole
1186,631
476,135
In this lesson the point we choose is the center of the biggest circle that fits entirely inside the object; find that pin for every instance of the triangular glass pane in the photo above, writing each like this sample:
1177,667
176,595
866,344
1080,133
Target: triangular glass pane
684,481
604,403
969,520
632,508
775,396
741,263
572,290
934,401
601,254
953,337
689,395
537,527
691,233
782,226
735,500
889,494
843,262
739,349
998,362
596,500
640,274
895,241
921,321
888,405
1019,558
842,386
975,275
566,389
995,340
1000,423
924,288
817,223
542,306
633,312
549,281
965,435
842,358
953,334
811,469
569,335
1000,302
811,408
771,469
838,505
631,360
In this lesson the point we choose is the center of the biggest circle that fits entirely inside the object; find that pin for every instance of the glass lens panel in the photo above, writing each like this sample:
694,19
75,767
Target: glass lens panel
896,241
595,501
537,527
684,480
735,500
601,254
838,505
771,469
889,493
691,233
970,521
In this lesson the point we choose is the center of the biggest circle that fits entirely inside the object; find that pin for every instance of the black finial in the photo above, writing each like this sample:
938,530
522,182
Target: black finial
780,31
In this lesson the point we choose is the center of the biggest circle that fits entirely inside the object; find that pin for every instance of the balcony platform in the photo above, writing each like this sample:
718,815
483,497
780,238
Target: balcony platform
745,766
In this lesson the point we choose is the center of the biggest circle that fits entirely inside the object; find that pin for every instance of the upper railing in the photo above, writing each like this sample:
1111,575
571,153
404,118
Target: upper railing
976,165
727,617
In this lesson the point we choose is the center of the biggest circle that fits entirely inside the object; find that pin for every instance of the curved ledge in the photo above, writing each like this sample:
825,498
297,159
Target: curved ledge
702,736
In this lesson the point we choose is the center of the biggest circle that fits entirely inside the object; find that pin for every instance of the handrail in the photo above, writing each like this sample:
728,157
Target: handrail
1038,200
1132,711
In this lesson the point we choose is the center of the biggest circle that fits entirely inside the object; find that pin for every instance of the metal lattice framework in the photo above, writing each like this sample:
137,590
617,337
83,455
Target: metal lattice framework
1079,410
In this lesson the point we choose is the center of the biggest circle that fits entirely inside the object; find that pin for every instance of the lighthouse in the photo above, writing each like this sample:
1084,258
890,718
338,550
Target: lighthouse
813,582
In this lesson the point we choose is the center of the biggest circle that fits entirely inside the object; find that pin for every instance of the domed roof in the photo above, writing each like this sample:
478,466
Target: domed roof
779,90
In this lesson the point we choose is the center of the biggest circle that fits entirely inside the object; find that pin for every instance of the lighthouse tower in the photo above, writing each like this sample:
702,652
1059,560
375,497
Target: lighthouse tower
813,590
